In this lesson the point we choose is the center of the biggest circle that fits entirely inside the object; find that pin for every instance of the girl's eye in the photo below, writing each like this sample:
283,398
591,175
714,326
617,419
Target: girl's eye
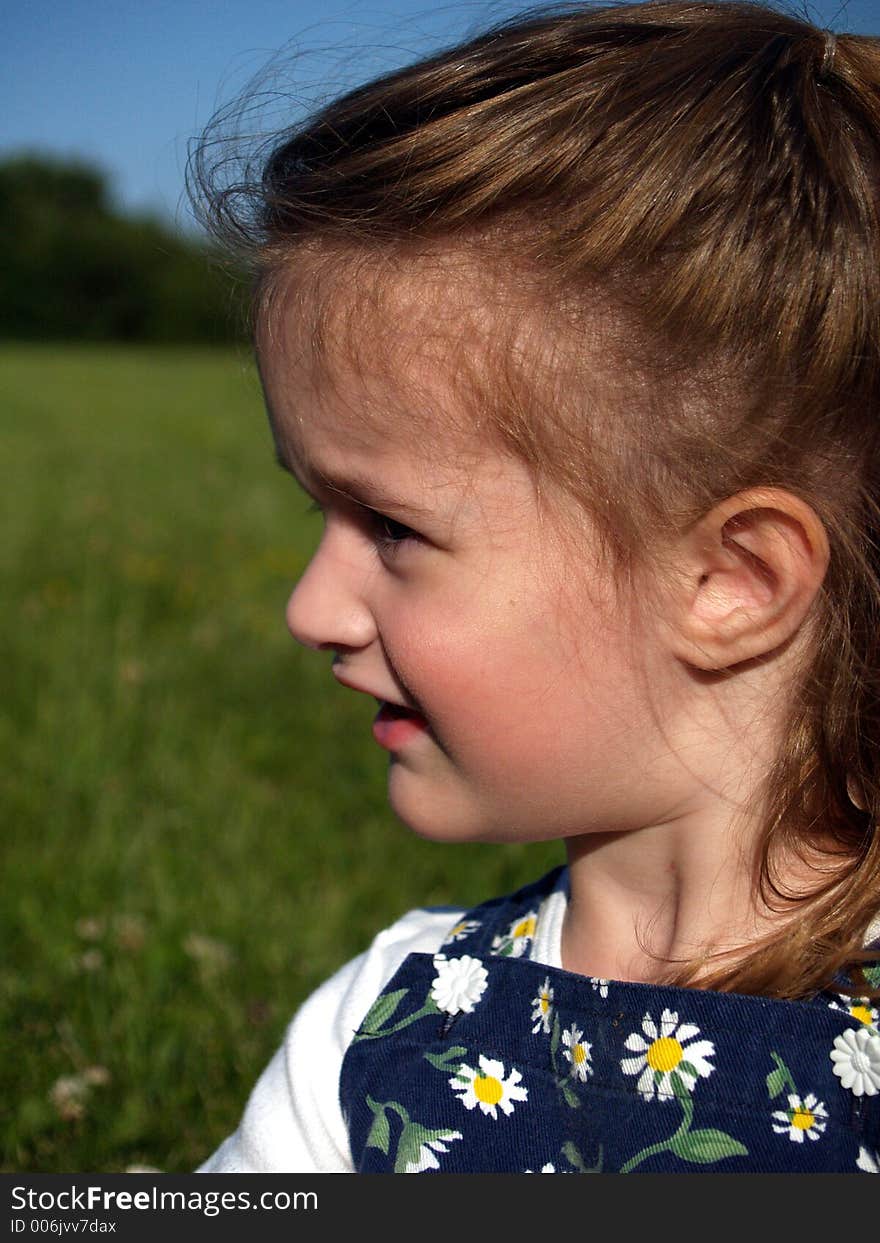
387,532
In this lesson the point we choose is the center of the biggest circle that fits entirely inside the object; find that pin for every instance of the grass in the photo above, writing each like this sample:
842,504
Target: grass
195,831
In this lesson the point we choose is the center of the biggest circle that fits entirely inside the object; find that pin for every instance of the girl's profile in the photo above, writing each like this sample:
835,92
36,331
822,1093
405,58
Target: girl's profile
571,333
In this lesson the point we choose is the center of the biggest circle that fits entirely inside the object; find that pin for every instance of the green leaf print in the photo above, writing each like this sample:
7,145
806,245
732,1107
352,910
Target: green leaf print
569,1094
451,1059
701,1147
418,1147
780,1077
382,1009
706,1146
380,1133
577,1162
775,1082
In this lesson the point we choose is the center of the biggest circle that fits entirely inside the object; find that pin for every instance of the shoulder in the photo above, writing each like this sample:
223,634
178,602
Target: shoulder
292,1122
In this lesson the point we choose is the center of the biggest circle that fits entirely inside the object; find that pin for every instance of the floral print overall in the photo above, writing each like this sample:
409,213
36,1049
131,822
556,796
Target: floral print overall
477,1059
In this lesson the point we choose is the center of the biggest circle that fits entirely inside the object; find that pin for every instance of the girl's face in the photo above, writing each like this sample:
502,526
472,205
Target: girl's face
443,589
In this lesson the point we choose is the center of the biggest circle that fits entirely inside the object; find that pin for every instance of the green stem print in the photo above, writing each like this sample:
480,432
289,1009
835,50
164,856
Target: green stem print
417,1145
381,1011
802,1115
701,1147
562,1075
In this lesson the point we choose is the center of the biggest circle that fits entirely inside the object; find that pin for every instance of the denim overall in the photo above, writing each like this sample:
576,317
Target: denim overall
479,1060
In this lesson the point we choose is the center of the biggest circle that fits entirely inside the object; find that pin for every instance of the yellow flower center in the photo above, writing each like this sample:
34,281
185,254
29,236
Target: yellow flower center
488,1089
862,1013
525,927
545,1005
802,1119
578,1054
664,1054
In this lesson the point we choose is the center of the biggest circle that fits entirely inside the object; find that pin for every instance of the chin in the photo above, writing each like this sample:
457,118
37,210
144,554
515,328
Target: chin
443,819
430,815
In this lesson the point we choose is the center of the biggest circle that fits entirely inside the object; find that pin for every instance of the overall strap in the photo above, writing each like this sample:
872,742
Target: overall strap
503,926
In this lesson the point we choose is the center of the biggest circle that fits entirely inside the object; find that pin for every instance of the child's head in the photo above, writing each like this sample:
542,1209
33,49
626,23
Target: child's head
624,265
447,583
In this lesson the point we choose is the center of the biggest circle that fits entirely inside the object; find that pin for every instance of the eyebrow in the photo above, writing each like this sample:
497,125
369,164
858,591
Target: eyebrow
362,491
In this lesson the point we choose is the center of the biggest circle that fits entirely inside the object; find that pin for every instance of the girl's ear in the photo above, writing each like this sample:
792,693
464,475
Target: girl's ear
747,574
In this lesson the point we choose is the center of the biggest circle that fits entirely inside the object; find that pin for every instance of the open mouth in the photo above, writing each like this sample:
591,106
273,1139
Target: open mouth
393,712
395,726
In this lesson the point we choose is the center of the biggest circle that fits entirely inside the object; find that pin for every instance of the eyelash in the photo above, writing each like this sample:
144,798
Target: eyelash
388,533
381,526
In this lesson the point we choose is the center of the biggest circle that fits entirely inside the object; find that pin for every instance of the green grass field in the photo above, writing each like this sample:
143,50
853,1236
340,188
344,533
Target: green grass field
194,821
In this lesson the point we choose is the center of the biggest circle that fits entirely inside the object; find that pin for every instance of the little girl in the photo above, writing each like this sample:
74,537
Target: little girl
572,334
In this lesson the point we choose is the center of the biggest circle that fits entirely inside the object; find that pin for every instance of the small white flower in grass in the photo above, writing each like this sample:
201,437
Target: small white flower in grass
599,985
858,1008
459,983
577,1051
667,1052
856,1058
867,1161
542,1007
803,1117
426,1159
464,928
488,1087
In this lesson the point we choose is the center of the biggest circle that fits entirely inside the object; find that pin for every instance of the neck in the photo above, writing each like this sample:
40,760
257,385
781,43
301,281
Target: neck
647,901
634,905
675,880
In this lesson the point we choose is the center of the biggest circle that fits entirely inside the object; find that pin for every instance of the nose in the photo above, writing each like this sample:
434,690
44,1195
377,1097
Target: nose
328,607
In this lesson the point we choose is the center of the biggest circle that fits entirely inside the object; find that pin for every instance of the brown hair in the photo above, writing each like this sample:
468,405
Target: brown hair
712,171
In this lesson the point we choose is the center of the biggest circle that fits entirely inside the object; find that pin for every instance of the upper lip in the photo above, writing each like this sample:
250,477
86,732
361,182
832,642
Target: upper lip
345,679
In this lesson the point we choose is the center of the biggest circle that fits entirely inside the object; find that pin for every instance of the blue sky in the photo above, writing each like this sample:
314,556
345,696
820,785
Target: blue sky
125,83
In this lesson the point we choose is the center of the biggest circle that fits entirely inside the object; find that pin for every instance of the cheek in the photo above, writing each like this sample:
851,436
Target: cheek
504,678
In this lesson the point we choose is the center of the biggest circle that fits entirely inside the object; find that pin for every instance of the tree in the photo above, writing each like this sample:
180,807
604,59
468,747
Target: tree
72,267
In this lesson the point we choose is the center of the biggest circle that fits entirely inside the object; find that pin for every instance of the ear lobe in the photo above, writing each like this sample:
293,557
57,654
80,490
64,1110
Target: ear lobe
749,572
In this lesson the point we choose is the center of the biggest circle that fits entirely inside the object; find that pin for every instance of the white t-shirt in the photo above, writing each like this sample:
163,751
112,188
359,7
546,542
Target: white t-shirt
293,1122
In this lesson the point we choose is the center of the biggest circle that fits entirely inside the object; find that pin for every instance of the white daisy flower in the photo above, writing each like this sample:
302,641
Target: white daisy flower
488,1087
549,1168
542,1007
515,942
868,1162
859,1008
464,928
665,1052
803,1117
425,1158
577,1051
856,1058
459,983
599,985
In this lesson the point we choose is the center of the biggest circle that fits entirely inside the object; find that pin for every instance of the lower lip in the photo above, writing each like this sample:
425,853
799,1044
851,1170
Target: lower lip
394,728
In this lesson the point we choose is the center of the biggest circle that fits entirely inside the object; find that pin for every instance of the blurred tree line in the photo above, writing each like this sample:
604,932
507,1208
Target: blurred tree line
73,268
